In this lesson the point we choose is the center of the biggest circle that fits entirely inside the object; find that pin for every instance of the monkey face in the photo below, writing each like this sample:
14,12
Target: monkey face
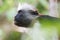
24,17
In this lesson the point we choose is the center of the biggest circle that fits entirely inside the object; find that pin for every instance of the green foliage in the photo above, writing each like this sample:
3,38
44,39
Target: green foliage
6,5
11,14
49,21
40,8
14,36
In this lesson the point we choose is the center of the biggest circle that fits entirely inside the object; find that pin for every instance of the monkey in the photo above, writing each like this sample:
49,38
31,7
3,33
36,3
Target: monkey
27,16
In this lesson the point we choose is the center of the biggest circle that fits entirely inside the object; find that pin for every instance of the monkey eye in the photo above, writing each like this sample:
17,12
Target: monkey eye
19,11
34,13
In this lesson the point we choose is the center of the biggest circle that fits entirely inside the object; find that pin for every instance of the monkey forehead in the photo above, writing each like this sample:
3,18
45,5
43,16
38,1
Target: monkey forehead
25,6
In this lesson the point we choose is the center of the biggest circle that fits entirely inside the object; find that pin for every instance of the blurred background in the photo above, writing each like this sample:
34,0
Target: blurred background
8,9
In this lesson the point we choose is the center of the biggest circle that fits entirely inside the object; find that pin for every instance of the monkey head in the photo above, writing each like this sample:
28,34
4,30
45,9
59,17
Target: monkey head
25,15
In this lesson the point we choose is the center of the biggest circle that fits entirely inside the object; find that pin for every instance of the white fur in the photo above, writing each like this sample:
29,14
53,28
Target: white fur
25,6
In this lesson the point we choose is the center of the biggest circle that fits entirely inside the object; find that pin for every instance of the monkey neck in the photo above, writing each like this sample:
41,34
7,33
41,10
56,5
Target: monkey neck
35,23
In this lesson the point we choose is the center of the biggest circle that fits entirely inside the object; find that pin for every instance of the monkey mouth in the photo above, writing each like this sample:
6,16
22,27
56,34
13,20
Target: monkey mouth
20,24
